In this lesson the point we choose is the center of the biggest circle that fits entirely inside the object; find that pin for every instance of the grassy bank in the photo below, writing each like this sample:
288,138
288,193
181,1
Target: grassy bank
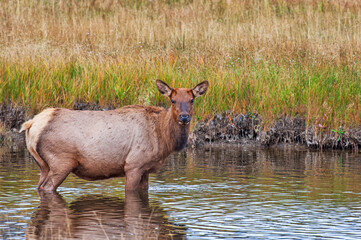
273,58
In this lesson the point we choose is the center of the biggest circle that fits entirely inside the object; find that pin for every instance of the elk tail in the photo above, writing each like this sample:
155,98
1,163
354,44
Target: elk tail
26,125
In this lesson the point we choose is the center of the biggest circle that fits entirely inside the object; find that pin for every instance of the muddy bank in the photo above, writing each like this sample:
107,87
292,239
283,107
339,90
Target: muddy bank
11,118
245,129
226,128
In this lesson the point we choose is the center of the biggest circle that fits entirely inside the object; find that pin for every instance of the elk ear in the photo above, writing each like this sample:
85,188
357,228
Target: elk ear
163,88
200,89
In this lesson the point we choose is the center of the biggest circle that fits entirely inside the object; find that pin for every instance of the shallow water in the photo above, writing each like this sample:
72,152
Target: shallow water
219,193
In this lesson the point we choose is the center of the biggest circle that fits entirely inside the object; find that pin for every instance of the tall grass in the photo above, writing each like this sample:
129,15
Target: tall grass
269,57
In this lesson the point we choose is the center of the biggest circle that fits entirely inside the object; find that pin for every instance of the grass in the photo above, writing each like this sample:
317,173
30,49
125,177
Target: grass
268,57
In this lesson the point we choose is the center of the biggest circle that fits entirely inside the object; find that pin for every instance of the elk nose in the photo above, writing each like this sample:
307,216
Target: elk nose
184,118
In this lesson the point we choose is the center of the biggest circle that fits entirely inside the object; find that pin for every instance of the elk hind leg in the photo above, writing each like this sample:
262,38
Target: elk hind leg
56,176
44,167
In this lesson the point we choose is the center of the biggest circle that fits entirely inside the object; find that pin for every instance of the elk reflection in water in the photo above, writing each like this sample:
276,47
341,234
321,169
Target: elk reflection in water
98,217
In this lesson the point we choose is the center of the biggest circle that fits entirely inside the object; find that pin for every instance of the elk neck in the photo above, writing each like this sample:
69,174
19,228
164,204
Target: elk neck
173,136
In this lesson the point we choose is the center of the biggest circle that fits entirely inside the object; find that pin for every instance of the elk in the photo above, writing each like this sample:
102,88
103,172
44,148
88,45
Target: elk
131,141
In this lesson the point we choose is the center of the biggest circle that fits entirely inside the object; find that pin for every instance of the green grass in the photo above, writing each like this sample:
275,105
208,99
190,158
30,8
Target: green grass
327,93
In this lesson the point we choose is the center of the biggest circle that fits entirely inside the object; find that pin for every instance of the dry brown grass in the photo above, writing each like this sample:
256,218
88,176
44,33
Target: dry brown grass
211,31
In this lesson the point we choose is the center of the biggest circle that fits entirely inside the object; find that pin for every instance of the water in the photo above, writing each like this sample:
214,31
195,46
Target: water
219,193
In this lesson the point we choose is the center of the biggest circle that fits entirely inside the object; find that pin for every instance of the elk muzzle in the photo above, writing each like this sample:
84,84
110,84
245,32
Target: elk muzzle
184,119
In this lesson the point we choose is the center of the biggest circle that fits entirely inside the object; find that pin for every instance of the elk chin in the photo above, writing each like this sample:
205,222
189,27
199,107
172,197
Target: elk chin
183,123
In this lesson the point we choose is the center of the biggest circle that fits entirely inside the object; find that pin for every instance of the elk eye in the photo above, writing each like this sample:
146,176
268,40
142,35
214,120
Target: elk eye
173,102
192,100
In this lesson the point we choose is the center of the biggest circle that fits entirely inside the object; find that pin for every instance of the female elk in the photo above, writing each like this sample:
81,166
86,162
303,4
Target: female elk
131,141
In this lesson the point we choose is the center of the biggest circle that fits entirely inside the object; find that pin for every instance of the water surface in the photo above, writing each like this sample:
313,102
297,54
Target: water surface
209,193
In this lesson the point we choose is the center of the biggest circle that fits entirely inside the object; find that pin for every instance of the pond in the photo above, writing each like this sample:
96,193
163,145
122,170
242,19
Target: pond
207,193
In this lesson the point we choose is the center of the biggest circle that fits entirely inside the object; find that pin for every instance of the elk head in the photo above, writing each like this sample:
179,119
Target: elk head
182,100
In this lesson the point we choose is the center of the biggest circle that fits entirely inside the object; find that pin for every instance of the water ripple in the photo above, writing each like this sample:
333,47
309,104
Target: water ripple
203,194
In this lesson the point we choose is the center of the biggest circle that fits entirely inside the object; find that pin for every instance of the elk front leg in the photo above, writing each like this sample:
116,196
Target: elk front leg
132,179
144,182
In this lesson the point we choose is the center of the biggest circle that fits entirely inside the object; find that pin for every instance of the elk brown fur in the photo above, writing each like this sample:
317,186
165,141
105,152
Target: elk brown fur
132,141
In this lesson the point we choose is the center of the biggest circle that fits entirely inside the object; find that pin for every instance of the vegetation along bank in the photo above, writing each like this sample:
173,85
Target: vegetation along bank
279,71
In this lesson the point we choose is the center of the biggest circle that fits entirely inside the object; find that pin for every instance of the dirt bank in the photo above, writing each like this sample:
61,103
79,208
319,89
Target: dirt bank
226,128
231,128
11,118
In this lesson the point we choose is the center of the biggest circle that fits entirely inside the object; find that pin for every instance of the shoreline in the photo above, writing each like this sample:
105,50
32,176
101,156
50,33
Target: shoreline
244,129
224,129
